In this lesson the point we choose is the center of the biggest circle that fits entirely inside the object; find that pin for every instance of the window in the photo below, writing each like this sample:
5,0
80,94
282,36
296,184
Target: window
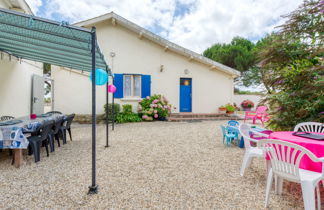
132,85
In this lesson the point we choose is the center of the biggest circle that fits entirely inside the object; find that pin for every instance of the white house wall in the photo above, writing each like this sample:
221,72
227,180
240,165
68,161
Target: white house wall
210,88
16,85
72,92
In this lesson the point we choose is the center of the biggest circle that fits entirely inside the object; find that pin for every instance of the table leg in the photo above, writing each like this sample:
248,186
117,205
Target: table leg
18,157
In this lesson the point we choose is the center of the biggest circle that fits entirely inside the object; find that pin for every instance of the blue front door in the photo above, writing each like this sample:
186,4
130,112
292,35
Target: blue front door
185,94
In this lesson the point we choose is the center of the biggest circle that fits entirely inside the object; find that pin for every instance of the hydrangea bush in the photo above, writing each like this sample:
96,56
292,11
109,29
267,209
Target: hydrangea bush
154,107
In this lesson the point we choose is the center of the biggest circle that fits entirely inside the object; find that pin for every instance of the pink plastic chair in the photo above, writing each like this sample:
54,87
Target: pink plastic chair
260,114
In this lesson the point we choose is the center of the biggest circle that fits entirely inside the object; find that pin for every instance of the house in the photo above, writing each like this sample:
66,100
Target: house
145,64
17,75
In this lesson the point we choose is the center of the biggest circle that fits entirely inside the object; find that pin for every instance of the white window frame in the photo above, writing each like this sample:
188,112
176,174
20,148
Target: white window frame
132,85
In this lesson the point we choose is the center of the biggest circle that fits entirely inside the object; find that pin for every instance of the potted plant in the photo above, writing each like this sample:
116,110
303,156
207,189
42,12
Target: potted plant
247,105
222,109
230,109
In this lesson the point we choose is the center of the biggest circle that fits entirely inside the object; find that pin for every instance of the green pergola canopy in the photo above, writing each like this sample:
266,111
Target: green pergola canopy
47,41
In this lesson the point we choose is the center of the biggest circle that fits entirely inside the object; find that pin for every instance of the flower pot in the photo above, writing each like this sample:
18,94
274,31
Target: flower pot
246,108
222,110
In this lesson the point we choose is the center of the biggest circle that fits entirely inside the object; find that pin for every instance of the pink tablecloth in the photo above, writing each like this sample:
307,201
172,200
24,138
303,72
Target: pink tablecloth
315,146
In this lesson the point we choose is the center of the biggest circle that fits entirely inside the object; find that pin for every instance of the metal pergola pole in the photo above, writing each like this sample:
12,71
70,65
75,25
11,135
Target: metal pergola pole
107,110
113,109
93,189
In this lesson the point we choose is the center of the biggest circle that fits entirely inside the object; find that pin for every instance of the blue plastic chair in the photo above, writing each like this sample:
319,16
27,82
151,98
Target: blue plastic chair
227,137
233,123
235,131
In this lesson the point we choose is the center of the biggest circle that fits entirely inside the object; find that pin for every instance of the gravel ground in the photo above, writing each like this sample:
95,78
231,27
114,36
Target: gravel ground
158,165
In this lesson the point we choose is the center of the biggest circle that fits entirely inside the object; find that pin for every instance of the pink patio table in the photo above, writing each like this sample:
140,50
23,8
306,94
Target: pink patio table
315,146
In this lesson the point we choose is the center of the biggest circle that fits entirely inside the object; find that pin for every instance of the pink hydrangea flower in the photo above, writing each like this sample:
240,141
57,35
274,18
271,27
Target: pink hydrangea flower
156,116
144,117
155,101
155,111
155,105
147,97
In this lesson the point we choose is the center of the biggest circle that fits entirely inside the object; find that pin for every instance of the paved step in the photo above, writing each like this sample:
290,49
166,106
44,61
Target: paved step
189,119
201,115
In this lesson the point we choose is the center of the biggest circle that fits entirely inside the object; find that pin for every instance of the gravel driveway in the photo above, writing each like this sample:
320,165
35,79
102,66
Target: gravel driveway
156,165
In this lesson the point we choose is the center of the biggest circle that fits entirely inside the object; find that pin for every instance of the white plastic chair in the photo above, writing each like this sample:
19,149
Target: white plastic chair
285,159
250,152
310,127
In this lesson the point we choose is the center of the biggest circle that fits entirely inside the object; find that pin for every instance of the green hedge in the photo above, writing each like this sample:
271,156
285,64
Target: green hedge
127,115
110,111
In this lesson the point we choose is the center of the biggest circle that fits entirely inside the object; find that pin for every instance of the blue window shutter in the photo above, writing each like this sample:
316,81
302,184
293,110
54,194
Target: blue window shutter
146,85
119,83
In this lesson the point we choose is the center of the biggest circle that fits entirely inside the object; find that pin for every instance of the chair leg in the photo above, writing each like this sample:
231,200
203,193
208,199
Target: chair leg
61,132
35,148
246,163
308,195
318,195
279,185
268,187
51,143
46,147
57,139
70,133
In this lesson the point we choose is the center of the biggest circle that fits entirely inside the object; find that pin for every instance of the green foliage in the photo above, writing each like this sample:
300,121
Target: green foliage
47,68
230,108
239,54
154,107
293,58
246,92
110,110
127,115
127,109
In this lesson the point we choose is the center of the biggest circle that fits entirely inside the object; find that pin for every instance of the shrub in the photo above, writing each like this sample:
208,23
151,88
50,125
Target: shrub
110,112
127,109
127,115
247,104
154,107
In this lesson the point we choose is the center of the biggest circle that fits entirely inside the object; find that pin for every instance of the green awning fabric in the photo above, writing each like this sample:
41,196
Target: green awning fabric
46,41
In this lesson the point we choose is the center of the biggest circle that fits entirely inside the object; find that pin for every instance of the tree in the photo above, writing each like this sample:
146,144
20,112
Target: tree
293,61
239,54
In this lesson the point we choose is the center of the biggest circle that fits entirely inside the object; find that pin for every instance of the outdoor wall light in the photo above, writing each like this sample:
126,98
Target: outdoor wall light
161,68
112,54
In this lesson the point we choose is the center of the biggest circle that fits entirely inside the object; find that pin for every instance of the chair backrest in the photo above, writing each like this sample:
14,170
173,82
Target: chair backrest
245,132
69,120
232,129
285,157
223,129
233,123
54,112
261,109
4,118
310,127
46,128
57,124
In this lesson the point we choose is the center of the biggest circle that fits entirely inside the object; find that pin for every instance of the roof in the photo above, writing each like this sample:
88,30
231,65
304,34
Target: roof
19,5
46,41
116,19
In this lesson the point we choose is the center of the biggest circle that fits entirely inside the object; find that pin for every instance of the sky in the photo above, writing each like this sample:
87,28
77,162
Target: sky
193,24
